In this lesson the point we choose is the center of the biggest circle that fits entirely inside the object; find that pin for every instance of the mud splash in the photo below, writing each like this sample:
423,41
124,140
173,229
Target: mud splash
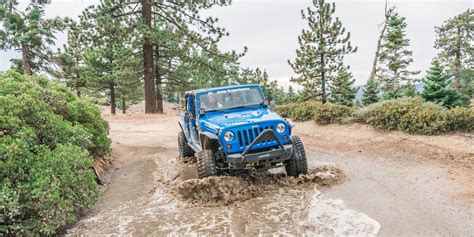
185,160
225,190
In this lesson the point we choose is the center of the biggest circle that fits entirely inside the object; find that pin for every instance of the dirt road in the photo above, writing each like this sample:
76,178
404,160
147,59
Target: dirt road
397,185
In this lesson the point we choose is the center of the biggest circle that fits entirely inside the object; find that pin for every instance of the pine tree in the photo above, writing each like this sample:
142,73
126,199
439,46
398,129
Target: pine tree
467,82
146,20
28,32
277,94
437,88
455,40
388,12
395,57
291,95
370,93
321,50
342,90
261,77
107,43
70,61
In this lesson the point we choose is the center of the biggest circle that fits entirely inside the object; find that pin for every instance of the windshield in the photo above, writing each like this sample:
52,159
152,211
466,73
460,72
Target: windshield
230,98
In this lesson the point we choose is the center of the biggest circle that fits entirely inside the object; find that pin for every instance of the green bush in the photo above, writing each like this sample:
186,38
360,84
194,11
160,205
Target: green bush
425,119
48,141
297,111
332,113
405,114
389,114
413,116
461,119
317,111
284,110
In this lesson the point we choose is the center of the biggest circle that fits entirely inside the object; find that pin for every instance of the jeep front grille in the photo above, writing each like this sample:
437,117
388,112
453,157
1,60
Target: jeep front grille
246,136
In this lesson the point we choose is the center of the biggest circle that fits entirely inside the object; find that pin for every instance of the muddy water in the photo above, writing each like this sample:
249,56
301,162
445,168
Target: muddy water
388,178
270,203
151,193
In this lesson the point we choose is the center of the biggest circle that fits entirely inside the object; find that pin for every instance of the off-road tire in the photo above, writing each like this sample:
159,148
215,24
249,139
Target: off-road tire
206,164
183,147
297,164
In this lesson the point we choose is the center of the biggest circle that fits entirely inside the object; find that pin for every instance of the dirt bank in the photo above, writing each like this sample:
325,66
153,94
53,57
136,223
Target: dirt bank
412,185
397,185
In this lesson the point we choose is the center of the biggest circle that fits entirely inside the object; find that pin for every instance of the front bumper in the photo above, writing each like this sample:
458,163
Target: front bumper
264,159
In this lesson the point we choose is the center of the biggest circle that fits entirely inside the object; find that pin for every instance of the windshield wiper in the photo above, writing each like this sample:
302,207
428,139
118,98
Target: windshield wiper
243,106
237,107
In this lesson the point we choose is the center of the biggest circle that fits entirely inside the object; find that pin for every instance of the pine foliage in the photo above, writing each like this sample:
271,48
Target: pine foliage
321,50
455,41
343,91
370,95
437,88
393,76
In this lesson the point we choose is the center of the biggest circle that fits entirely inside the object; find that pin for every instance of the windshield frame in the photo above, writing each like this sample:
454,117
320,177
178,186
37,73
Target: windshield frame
198,97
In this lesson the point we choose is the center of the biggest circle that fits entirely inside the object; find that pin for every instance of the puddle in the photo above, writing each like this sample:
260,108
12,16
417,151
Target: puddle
248,205
284,211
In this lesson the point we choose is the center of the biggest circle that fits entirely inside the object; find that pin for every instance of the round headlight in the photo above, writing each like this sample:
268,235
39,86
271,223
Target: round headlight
228,136
281,127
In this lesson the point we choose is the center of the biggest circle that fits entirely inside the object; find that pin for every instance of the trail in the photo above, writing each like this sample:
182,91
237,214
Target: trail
148,191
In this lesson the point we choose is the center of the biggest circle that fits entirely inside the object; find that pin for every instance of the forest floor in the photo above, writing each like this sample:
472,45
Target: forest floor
362,182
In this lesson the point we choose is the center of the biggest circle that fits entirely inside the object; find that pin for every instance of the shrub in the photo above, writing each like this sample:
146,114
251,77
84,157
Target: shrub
321,113
88,115
285,110
424,119
413,116
389,114
297,111
48,141
406,114
332,113
460,119
362,115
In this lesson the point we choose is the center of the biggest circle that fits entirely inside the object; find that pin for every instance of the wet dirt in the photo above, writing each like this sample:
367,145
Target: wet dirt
372,190
225,190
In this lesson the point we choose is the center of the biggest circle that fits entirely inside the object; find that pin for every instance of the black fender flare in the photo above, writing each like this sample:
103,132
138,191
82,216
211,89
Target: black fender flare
208,140
181,126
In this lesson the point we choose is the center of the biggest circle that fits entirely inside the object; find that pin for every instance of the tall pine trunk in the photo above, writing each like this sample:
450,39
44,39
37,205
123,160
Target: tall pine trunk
159,96
457,61
78,88
373,72
78,91
124,108
150,97
323,65
323,80
113,103
388,13
78,79
25,51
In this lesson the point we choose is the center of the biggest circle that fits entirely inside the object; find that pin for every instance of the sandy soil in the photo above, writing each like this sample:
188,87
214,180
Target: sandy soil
362,182
412,185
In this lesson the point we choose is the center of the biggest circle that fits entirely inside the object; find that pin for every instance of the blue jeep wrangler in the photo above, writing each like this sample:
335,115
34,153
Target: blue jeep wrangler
232,129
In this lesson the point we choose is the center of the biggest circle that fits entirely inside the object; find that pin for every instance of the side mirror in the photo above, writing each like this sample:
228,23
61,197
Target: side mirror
187,116
265,103
202,112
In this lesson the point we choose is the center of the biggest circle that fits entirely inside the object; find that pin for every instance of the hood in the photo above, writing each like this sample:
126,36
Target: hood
237,117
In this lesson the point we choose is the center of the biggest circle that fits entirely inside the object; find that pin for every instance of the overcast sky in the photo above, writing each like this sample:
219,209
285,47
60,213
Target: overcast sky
269,28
